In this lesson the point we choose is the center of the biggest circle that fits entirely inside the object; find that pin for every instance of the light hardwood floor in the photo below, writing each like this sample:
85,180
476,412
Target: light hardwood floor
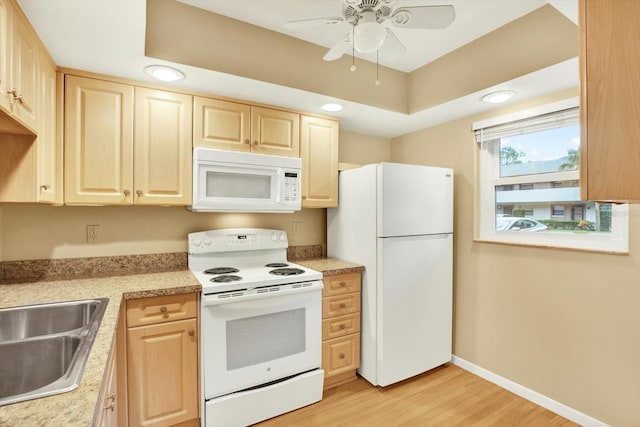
445,396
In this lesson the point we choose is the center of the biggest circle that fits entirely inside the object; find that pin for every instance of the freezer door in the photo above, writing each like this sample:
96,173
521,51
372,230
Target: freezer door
414,305
414,199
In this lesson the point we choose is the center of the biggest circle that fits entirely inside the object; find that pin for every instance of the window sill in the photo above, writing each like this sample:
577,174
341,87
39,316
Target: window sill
550,246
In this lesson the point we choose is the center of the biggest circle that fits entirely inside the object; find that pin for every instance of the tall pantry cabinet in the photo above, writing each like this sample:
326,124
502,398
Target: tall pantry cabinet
609,99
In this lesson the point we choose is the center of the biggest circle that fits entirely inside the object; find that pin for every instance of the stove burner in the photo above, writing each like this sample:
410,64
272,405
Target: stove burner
221,270
286,271
277,264
225,278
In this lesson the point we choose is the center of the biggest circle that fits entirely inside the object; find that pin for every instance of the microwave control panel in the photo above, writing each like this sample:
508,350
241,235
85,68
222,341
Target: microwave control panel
291,186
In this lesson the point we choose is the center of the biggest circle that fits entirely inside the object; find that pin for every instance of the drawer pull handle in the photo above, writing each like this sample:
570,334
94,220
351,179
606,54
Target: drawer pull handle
342,326
163,309
342,356
192,333
342,305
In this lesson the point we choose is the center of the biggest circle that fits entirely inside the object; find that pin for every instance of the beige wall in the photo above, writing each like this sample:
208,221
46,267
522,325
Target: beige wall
40,232
563,323
363,149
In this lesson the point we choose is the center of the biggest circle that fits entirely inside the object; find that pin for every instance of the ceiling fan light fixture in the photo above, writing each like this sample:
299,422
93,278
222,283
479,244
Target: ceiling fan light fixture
498,97
369,34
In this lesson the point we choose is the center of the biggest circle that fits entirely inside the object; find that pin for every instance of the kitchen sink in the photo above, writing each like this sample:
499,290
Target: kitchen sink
44,347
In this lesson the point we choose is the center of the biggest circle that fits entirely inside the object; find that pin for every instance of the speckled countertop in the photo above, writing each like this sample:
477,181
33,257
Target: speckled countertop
76,408
330,266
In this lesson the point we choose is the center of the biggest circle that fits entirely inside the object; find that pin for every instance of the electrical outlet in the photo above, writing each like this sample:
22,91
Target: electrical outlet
93,233
296,228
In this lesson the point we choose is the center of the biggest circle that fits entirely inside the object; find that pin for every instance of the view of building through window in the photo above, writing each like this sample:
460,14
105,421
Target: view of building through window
539,191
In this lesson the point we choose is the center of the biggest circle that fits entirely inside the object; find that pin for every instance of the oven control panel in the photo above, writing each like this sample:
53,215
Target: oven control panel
238,239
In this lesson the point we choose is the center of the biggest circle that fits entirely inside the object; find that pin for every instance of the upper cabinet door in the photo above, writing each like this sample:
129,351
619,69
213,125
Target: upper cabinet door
5,54
25,75
275,132
162,140
609,99
319,152
221,124
98,142
49,157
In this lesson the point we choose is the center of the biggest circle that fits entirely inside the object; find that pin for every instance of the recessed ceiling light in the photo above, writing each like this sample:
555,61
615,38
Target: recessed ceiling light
164,73
498,97
332,106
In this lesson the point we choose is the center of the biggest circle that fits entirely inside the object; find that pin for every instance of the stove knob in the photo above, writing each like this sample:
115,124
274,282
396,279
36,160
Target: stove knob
196,241
207,241
283,238
274,237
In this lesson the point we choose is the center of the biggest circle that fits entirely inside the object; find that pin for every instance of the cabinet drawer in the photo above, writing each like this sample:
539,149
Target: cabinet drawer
340,304
341,325
341,355
147,311
341,284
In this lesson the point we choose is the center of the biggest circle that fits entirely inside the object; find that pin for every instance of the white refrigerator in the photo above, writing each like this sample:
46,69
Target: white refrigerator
397,221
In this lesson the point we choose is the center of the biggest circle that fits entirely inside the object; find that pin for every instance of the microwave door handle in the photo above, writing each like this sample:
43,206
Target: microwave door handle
279,185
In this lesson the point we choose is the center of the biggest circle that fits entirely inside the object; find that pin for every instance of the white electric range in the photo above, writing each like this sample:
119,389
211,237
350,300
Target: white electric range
261,320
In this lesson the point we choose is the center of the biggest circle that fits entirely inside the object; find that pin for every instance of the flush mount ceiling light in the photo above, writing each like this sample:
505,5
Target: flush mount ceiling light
164,73
498,97
331,106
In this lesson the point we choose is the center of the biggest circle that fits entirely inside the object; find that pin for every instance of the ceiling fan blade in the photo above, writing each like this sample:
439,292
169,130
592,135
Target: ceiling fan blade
392,48
338,49
429,17
310,23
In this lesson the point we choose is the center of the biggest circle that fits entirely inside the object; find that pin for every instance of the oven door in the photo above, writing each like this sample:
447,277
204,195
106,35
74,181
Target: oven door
251,342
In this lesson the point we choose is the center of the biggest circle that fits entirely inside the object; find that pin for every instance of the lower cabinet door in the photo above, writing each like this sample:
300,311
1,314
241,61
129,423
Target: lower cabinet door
162,376
340,355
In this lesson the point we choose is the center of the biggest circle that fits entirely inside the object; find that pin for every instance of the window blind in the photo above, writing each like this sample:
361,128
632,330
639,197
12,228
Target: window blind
553,120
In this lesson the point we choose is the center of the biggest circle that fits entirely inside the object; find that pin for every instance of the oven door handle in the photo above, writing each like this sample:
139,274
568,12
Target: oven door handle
213,300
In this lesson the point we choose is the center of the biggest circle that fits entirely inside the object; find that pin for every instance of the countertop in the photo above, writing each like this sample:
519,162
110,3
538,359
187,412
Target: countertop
330,266
76,408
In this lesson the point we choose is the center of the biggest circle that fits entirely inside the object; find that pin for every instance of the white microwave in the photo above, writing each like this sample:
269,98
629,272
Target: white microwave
231,181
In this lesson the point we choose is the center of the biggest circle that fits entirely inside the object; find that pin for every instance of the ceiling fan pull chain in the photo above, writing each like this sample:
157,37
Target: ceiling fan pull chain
353,48
377,69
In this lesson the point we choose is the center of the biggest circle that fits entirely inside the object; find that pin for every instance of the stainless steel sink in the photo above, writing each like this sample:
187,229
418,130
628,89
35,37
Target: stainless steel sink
44,347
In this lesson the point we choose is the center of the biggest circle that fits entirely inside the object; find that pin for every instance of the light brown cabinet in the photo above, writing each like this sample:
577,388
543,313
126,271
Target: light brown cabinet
23,86
609,99
162,148
49,146
340,328
162,360
107,411
319,152
5,54
109,161
234,126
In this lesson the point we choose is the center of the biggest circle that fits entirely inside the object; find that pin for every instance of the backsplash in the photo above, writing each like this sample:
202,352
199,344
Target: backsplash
73,268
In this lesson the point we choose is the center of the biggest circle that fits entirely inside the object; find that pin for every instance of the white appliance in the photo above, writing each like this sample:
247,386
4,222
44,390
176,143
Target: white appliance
261,322
234,181
397,221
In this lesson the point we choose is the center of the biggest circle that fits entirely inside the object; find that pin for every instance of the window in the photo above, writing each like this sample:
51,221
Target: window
528,184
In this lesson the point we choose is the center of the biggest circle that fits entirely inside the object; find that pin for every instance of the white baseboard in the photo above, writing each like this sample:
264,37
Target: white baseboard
532,396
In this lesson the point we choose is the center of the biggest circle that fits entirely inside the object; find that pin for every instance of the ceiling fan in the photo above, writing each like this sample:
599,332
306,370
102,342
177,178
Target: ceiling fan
370,22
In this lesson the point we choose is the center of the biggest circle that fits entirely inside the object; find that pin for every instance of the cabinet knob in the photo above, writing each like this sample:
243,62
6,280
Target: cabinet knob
45,187
246,141
255,142
342,326
304,197
343,284
192,333
163,309
342,305
13,93
139,193
342,356
126,193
